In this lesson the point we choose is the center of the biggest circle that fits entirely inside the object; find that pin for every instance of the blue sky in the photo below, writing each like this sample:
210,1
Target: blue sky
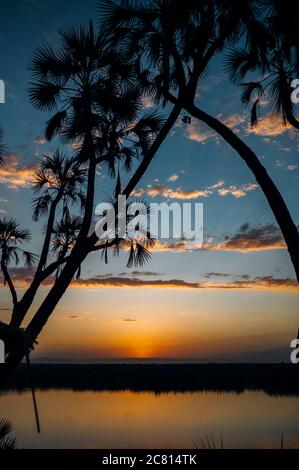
192,161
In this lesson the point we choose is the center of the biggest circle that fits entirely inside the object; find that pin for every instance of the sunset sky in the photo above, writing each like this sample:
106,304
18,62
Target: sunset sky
235,299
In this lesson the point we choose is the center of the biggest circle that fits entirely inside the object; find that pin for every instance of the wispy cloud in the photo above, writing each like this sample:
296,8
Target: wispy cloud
270,125
39,141
173,177
247,238
237,192
200,133
180,193
292,167
267,282
14,174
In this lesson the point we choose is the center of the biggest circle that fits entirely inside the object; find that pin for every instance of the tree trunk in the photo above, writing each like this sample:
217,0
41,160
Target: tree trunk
275,199
21,308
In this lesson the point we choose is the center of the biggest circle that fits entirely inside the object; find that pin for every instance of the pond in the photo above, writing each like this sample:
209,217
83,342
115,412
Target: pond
125,419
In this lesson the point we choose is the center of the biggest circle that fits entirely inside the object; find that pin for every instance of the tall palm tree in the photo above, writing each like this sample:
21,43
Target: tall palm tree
178,39
7,442
98,110
58,182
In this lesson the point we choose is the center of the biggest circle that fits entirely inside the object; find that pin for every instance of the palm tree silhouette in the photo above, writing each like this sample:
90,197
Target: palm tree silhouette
178,40
97,105
276,62
7,442
11,236
58,182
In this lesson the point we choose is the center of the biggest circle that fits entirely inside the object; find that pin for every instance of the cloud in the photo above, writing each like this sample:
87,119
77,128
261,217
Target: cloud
186,194
237,192
39,141
15,175
216,185
143,273
267,282
255,283
129,319
216,274
271,125
173,177
292,167
232,121
178,193
247,238
200,133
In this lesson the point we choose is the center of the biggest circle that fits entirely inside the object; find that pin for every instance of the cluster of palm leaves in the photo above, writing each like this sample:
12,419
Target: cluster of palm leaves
96,98
7,441
273,65
11,236
58,178
174,37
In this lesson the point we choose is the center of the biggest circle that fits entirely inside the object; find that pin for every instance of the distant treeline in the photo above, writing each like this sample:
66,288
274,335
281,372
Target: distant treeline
274,379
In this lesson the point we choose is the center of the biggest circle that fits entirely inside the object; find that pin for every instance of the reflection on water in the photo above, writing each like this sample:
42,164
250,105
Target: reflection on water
145,420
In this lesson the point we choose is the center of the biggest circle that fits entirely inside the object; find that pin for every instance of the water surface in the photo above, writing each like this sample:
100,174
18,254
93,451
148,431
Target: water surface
125,419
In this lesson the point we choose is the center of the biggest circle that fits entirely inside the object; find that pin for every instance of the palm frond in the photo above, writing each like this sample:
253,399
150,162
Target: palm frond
30,259
254,113
249,89
239,62
44,94
7,442
54,125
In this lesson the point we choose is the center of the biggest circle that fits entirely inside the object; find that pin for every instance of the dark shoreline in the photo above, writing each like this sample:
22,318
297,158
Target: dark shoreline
274,379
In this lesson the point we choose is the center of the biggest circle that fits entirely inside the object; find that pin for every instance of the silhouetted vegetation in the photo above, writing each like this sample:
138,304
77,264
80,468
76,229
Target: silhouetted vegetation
7,441
275,379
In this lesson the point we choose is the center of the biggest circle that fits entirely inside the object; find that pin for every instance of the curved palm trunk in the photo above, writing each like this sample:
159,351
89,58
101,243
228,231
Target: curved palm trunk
21,308
275,199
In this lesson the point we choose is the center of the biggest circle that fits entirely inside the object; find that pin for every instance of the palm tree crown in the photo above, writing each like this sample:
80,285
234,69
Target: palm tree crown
275,62
58,178
11,236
